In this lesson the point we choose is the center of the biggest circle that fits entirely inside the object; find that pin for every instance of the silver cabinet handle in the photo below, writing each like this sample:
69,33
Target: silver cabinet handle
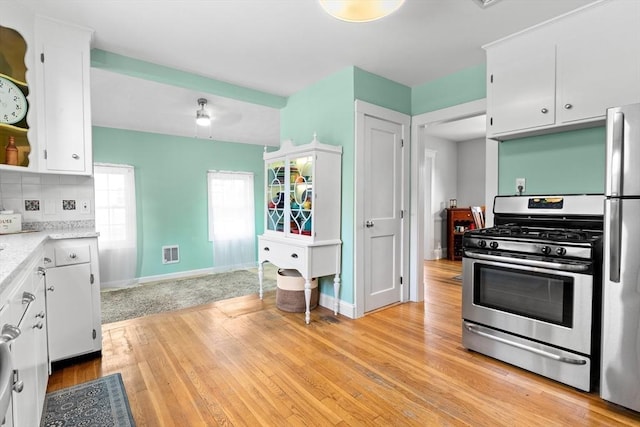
568,106
40,315
266,248
38,325
41,271
28,297
51,288
294,255
369,224
9,333
18,385
72,255
544,111
47,260
75,156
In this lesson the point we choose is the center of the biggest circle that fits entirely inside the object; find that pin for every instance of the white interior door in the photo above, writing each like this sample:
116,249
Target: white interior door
382,155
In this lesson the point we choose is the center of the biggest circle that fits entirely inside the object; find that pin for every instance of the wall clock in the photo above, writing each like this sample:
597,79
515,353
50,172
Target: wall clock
13,102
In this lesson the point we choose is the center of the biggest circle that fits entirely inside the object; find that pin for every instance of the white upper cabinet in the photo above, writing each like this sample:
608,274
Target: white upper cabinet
52,72
521,93
64,109
564,74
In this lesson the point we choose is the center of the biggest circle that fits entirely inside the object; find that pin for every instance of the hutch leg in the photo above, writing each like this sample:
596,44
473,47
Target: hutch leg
260,277
307,299
336,293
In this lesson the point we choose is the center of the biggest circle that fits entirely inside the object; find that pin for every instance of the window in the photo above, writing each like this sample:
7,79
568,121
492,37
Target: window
115,207
232,218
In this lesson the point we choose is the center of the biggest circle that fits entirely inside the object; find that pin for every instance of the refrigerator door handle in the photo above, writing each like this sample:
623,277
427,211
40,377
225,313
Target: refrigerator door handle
614,240
617,154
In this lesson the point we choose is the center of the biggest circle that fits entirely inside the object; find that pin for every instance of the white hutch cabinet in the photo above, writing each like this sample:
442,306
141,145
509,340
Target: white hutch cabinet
302,213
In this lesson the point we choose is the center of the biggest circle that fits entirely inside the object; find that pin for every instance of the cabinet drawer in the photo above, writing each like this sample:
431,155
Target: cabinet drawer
71,255
282,254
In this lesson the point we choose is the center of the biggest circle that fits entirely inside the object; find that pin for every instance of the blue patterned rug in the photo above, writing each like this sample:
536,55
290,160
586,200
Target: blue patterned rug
98,403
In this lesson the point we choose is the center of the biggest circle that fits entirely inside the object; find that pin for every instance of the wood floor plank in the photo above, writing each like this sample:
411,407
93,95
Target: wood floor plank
243,362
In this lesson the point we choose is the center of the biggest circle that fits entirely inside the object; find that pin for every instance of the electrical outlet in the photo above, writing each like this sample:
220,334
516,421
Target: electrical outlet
85,206
520,185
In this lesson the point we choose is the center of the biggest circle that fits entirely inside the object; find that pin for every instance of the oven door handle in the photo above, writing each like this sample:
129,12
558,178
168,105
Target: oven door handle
537,351
529,262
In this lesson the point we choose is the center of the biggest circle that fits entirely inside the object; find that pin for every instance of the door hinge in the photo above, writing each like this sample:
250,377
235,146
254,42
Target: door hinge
491,78
45,154
42,57
401,280
94,334
91,278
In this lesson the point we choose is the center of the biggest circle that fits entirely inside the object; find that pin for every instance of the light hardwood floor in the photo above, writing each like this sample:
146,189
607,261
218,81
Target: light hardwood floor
244,362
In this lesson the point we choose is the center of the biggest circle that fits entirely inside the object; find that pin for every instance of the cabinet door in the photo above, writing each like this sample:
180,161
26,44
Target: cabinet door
276,193
301,195
69,311
64,110
65,103
599,61
23,353
521,84
40,329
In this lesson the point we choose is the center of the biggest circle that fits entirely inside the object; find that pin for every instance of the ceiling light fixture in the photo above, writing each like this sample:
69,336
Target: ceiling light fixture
202,116
360,10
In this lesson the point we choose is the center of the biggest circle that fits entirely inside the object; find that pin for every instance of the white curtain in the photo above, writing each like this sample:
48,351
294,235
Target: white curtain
231,219
115,207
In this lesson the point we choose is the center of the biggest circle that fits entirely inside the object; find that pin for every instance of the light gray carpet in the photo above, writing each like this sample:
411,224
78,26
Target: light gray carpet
169,295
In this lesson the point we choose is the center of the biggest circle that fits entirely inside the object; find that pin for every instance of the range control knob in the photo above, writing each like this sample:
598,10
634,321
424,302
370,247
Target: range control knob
561,251
546,250
482,243
493,245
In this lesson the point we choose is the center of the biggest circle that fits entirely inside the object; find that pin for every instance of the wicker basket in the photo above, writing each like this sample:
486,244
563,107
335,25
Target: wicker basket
290,292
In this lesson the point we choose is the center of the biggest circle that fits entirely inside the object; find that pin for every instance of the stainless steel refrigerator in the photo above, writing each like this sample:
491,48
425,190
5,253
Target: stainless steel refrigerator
620,366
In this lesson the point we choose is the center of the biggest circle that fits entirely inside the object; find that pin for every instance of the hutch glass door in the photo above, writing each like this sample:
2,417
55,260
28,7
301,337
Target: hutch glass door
301,195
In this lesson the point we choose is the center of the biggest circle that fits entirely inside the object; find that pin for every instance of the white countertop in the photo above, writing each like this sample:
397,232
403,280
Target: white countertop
16,248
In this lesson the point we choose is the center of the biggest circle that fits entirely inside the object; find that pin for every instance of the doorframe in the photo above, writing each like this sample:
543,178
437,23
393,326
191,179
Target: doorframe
418,124
363,109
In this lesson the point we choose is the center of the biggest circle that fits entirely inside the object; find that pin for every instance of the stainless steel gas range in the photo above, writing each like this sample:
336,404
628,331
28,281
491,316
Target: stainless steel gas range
532,286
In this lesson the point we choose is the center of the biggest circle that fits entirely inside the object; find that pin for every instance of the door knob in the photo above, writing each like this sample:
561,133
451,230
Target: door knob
368,224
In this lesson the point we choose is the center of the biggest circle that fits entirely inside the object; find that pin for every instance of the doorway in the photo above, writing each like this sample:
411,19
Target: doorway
422,126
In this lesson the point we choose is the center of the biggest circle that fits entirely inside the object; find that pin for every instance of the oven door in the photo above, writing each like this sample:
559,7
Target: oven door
542,304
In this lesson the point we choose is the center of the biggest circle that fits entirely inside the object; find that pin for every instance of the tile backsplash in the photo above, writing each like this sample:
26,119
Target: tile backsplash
45,198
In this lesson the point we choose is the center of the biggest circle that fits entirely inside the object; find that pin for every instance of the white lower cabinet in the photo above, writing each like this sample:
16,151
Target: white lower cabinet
73,298
26,311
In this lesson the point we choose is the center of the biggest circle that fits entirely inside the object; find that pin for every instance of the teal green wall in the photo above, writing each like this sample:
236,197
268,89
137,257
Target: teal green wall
380,91
326,108
568,162
457,88
171,190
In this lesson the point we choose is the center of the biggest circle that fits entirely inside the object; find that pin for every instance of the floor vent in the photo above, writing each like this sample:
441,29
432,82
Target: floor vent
170,254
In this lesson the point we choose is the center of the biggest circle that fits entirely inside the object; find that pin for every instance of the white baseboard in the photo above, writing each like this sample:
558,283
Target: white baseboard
439,253
344,308
177,275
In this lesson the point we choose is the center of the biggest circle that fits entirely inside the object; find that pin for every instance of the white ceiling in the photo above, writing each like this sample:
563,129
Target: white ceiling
278,47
